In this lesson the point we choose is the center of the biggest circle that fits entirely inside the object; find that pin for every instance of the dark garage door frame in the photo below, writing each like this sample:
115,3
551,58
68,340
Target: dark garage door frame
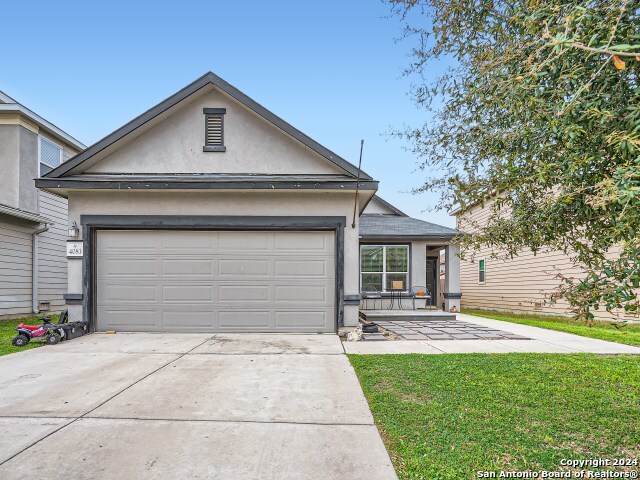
92,223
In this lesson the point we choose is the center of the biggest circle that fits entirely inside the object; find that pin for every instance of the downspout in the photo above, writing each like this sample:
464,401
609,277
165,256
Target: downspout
34,267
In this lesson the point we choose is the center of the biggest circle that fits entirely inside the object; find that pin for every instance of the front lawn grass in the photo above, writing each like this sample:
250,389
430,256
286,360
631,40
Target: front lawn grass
628,334
7,333
450,416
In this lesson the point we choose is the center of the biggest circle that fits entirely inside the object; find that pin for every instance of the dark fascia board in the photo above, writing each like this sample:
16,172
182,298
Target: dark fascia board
151,184
408,238
396,210
207,79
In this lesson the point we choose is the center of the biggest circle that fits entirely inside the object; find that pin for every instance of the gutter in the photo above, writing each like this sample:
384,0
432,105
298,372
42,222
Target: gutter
34,267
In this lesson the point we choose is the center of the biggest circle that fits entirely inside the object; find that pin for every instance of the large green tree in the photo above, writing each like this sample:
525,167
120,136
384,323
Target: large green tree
541,111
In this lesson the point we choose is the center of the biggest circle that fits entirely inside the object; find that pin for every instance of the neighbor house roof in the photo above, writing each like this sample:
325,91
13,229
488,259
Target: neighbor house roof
9,105
209,78
24,215
385,226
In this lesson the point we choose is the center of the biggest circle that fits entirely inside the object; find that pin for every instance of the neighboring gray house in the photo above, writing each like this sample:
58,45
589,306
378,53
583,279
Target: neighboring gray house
33,224
209,213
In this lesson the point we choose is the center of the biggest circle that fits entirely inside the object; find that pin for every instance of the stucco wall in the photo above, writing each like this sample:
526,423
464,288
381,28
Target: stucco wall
9,156
247,203
174,144
29,169
375,207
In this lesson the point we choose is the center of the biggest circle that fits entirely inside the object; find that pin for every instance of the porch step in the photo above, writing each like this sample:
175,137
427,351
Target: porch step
406,315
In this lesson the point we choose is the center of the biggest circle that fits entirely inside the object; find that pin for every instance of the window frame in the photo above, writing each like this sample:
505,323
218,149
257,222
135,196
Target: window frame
384,271
40,162
482,261
218,113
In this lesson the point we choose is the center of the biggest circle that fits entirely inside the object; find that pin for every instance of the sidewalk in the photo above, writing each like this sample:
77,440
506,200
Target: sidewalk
542,341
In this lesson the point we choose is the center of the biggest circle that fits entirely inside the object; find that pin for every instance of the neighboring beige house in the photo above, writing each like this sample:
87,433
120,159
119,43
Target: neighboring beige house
33,224
524,283
210,213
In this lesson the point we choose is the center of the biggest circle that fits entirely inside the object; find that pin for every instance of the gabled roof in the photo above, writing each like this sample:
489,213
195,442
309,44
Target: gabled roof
8,104
394,209
207,79
386,226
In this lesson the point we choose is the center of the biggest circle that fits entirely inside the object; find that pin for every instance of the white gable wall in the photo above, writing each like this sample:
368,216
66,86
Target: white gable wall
376,207
175,144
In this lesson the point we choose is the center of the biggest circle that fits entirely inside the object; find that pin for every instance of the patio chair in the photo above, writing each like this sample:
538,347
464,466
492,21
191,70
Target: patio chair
371,293
421,293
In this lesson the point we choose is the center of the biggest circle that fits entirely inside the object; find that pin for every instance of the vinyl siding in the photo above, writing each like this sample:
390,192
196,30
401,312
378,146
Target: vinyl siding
52,262
516,284
15,268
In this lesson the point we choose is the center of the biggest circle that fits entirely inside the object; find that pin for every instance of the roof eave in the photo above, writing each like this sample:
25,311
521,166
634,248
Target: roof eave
141,184
42,123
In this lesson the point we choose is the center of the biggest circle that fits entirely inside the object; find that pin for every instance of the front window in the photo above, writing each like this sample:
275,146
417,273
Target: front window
381,265
50,156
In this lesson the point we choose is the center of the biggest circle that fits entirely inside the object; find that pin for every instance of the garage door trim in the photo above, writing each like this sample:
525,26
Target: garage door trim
92,223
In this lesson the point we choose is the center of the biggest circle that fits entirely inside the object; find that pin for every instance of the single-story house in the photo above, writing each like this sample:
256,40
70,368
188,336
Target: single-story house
209,213
33,223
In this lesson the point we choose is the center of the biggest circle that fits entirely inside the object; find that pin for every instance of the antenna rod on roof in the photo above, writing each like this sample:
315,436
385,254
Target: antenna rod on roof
355,200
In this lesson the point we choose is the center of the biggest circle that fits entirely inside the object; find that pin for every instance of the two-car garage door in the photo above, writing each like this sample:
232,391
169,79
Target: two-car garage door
215,281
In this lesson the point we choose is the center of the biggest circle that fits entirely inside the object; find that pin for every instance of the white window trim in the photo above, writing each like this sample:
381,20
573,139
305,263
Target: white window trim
53,142
483,259
384,272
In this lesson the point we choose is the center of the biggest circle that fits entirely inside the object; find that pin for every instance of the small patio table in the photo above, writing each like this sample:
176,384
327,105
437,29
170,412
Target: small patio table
396,293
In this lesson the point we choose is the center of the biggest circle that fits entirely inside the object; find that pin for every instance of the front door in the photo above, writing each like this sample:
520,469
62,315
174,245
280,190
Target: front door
432,275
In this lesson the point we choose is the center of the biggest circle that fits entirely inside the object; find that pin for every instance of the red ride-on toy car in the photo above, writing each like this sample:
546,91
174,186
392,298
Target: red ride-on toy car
52,333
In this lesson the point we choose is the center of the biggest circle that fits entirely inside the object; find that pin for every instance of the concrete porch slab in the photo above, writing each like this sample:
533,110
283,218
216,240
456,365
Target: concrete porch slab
266,343
250,388
166,449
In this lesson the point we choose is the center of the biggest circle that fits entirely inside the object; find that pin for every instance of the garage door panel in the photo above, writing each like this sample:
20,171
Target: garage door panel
239,268
243,293
301,241
304,268
188,267
186,242
129,293
308,294
187,293
116,266
129,319
190,319
316,319
243,319
244,241
216,281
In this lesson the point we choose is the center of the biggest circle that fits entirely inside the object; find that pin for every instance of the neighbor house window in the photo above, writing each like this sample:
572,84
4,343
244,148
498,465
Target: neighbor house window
481,270
50,155
380,265
214,129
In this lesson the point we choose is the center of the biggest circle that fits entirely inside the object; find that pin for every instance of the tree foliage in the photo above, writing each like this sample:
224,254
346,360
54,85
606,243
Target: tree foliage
541,112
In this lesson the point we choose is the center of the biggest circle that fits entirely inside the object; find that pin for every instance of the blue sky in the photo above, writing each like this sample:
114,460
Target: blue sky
330,68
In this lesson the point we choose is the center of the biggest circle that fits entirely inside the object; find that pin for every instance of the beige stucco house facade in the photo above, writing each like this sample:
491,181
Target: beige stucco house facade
210,213
33,223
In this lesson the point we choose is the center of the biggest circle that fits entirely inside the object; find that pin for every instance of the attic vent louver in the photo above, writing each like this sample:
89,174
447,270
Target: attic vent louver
214,130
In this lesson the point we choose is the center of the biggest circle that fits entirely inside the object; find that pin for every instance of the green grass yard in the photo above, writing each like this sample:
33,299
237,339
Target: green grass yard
628,334
7,333
449,416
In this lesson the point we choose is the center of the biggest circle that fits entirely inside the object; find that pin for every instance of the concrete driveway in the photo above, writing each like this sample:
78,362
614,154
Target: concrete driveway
245,406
